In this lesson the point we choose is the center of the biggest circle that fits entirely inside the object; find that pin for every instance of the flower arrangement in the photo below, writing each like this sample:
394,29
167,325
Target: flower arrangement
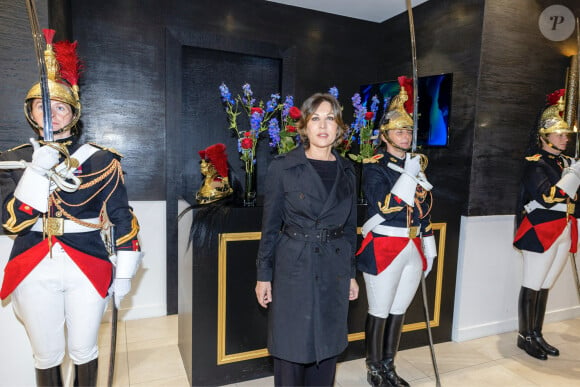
364,126
261,118
286,138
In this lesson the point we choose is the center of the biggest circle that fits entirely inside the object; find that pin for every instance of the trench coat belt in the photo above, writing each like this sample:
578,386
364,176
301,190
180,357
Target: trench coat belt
403,232
313,235
68,225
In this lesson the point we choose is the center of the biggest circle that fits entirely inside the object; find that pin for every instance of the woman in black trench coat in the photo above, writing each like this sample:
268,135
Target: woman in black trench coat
305,265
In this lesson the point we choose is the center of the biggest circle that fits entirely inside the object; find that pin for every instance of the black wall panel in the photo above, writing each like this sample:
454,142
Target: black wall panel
18,69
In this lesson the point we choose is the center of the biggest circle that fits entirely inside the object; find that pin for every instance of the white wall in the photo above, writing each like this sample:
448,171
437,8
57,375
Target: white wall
489,273
146,299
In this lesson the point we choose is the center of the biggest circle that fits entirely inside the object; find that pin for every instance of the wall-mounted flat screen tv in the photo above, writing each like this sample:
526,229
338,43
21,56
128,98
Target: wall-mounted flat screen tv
434,106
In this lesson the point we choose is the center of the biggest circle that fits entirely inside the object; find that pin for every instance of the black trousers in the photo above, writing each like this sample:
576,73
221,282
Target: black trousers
287,373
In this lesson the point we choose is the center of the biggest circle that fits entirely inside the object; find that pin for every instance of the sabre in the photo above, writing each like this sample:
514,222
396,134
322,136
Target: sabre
577,87
413,149
573,255
37,38
114,316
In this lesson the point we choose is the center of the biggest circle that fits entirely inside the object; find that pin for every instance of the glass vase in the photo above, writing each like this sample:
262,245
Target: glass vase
249,199
360,192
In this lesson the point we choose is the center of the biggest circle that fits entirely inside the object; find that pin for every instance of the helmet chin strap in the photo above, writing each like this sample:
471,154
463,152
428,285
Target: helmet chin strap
548,143
59,131
386,135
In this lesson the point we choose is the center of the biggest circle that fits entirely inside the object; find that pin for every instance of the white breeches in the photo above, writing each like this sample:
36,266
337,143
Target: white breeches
391,291
54,295
541,270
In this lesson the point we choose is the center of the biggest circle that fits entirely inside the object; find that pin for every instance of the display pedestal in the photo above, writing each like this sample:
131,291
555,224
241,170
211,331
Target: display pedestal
222,328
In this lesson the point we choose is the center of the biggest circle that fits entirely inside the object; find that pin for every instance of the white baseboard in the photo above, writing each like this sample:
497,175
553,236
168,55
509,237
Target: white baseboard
497,327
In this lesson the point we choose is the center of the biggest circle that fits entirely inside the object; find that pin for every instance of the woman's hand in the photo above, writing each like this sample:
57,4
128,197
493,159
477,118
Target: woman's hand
264,292
353,292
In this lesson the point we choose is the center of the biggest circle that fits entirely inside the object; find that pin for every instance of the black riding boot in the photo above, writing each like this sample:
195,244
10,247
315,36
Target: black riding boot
86,374
539,323
390,348
374,332
526,311
49,377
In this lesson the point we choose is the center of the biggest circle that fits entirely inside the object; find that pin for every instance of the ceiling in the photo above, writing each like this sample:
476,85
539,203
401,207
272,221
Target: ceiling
371,10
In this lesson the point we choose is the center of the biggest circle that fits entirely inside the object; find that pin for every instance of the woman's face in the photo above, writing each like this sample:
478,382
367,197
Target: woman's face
62,115
322,128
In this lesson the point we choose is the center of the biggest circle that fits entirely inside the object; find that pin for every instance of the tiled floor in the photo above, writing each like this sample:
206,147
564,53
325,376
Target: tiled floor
148,356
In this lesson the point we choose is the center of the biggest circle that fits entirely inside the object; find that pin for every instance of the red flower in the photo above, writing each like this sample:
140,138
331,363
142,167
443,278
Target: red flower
369,116
248,134
247,143
258,110
291,128
294,113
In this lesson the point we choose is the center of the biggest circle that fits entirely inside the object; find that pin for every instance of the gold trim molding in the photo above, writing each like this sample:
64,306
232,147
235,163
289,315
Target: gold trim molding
225,238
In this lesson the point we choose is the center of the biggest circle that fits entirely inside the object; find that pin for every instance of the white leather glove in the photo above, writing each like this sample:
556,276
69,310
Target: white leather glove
570,180
121,287
34,185
430,252
412,164
422,178
406,185
127,263
43,157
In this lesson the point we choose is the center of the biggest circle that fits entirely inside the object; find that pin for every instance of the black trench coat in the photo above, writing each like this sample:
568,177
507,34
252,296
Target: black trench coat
310,278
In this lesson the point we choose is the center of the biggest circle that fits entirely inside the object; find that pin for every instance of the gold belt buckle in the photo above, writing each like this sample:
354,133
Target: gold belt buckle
413,232
54,226
570,208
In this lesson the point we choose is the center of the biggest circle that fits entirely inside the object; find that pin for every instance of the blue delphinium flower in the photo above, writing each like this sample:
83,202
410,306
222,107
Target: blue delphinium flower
274,132
256,121
247,98
272,104
226,95
359,113
288,103
375,104
333,91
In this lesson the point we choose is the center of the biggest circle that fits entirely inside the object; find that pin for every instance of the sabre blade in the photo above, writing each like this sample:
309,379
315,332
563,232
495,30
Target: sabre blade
38,39
578,88
415,76
413,149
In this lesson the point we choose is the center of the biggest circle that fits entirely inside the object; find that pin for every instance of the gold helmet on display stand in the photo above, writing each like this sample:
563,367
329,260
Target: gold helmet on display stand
62,70
214,167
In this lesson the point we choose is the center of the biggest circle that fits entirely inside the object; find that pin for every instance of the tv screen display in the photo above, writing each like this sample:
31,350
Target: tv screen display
434,106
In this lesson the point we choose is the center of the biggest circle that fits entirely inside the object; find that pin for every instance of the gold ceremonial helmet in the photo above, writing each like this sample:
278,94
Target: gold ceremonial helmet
396,116
214,167
552,121
62,71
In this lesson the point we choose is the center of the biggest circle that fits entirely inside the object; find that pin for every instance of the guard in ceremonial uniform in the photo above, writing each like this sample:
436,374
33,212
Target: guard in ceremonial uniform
547,230
392,256
58,198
